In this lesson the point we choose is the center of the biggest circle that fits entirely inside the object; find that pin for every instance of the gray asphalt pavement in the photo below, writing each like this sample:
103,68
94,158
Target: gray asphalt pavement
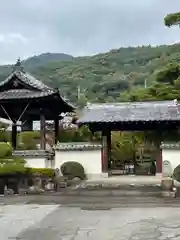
55,222
76,218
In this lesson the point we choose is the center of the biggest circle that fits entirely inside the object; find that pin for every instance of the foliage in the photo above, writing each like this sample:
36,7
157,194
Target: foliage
176,173
5,150
82,101
123,145
11,164
29,140
45,58
172,19
47,172
169,74
165,86
4,134
75,135
104,76
72,170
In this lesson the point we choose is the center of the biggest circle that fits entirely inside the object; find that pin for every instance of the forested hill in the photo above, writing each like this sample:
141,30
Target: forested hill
45,58
105,76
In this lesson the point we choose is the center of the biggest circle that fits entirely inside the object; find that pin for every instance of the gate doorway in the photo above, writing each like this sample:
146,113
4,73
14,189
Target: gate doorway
142,162
122,168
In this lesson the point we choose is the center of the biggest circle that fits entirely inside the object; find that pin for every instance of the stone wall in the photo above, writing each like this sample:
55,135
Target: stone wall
36,158
171,153
88,155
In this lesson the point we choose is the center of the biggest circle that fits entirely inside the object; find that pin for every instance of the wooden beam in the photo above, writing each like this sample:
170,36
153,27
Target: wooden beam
135,126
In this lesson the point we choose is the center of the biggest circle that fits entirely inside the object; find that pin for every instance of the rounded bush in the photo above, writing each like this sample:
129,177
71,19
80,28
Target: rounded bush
5,149
176,173
12,165
73,170
29,140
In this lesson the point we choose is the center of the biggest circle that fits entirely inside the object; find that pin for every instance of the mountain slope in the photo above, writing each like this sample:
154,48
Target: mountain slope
105,76
45,58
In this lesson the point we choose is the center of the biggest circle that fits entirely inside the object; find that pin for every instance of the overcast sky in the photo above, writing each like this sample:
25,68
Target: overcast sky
81,27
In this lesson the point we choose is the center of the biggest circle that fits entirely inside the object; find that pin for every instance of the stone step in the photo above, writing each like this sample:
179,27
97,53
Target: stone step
110,193
133,192
129,187
108,201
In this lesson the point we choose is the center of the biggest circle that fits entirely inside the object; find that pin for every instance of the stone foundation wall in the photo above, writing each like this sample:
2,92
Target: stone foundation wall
88,155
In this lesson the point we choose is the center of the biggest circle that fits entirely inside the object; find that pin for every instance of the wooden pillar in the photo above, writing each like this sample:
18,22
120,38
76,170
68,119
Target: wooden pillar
159,153
14,136
159,161
56,129
109,148
27,126
43,131
134,153
106,149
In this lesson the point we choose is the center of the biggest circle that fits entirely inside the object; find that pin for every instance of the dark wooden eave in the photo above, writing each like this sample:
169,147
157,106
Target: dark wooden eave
15,100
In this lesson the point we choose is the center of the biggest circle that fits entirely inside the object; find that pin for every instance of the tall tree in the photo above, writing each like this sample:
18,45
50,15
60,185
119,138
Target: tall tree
172,19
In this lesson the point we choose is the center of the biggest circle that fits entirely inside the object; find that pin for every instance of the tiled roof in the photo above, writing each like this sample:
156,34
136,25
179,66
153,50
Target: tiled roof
27,79
172,145
33,88
131,111
32,153
77,146
23,94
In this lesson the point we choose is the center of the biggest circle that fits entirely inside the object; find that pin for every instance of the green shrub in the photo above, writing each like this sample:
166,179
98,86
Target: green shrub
47,172
5,149
176,173
29,140
12,164
4,135
72,170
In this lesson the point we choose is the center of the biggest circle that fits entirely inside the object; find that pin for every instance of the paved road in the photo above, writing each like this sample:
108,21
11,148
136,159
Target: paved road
56,222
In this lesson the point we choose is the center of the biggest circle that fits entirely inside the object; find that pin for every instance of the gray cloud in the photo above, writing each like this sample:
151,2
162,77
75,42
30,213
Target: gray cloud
81,27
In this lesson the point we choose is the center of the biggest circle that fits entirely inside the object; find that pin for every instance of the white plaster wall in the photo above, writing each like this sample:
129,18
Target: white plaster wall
38,163
89,159
172,155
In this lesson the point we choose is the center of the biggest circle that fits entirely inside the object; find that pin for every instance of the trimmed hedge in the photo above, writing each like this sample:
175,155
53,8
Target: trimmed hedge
72,170
18,168
47,172
29,140
16,165
12,165
176,173
5,149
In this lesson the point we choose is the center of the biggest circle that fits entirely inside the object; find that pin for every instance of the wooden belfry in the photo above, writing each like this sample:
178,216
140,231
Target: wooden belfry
26,99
